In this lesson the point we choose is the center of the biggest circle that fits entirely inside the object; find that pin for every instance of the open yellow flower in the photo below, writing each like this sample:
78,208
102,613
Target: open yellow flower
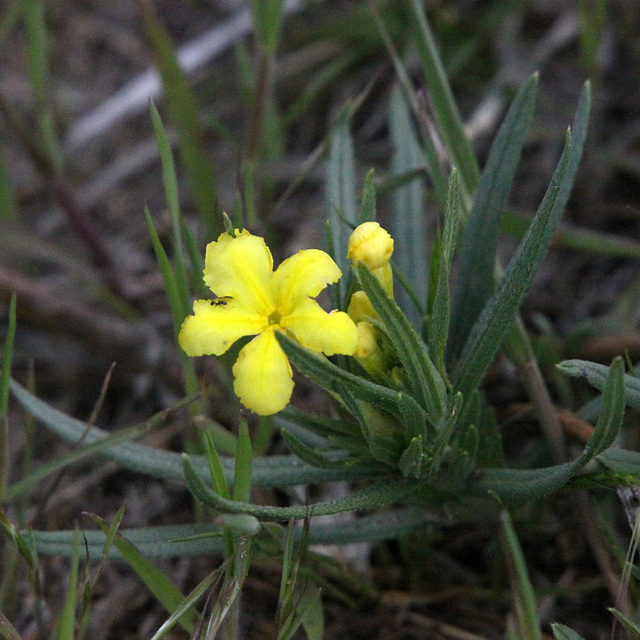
254,300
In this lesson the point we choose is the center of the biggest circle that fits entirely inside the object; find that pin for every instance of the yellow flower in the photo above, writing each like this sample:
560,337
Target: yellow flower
254,300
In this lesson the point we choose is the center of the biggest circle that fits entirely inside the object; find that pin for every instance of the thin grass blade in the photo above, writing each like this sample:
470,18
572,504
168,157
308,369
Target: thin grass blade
67,615
156,581
444,106
184,114
5,377
521,588
170,181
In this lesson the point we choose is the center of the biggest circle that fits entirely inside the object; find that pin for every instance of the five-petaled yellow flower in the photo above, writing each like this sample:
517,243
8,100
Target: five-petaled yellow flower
253,300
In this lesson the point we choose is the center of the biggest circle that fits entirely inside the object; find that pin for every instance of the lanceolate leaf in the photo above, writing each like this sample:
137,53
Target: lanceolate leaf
611,414
438,327
476,277
596,375
373,496
519,485
195,539
496,317
269,472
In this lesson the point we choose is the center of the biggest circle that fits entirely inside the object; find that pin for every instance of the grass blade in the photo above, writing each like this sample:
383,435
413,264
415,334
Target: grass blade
156,581
5,376
521,588
184,114
170,181
67,615
444,106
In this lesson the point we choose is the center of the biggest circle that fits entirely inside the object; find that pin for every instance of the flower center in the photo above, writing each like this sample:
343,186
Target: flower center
275,317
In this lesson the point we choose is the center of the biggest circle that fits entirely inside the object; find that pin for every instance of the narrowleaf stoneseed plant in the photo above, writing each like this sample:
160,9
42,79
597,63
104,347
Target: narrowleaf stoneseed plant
360,363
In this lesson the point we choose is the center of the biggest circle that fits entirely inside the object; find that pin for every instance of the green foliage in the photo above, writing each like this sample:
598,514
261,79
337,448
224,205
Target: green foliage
419,434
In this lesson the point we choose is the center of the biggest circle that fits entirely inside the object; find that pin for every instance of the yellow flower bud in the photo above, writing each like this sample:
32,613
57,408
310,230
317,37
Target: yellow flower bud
367,341
360,307
371,244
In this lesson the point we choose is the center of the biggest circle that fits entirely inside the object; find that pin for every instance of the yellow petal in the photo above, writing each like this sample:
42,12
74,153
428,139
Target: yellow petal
303,275
318,330
263,378
215,327
240,267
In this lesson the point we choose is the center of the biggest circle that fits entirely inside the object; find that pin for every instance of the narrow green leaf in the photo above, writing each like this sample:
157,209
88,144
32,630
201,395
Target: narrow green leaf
407,224
340,194
36,30
522,591
516,486
476,277
611,415
184,113
215,468
561,632
596,375
156,581
170,182
67,615
180,541
189,602
444,106
626,622
267,472
425,382
244,460
496,317
5,376
438,323
621,461
8,204
267,19
315,457
171,285
373,496
312,616
96,448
